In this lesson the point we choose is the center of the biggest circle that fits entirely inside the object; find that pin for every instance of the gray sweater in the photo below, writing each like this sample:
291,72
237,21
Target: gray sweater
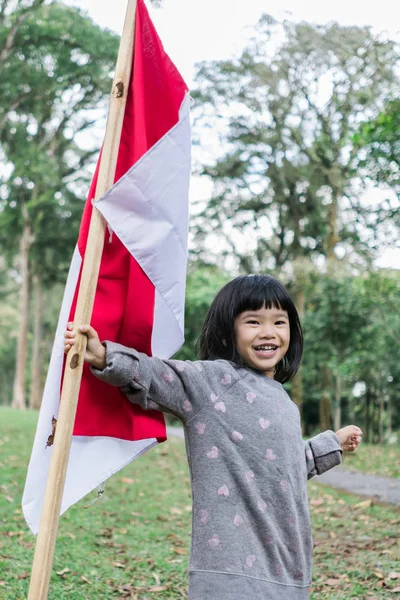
249,466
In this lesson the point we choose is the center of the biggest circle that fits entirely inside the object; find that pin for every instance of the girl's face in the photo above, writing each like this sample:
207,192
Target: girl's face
262,338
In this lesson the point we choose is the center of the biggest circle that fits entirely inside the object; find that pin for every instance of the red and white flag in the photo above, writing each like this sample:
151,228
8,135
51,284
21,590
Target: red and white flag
140,293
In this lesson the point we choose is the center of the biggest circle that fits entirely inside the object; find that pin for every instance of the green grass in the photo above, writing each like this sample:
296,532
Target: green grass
377,460
134,542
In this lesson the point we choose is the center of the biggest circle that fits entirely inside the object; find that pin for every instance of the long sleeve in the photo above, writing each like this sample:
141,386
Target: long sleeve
178,387
322,452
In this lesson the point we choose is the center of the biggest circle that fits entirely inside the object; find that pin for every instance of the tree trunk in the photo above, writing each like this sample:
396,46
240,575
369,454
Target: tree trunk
389,418
368,414
338,404
381,416
18,400
36,379
325,405
297,386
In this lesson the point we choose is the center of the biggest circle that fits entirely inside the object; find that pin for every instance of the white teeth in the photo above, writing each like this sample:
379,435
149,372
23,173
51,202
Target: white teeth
266,348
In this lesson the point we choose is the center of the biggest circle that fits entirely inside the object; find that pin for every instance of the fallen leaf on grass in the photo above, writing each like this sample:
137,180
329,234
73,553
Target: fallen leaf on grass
3,583
86,580
175,511
394,575
396,590
378,574
364,504
63,572
118,565
178,550
126,480
158,588
24,575
317,502
333,582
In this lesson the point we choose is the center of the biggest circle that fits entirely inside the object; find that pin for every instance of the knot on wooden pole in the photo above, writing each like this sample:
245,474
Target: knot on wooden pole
119,89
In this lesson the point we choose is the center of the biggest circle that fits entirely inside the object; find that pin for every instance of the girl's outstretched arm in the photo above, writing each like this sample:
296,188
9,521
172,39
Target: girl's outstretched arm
322,452
179,387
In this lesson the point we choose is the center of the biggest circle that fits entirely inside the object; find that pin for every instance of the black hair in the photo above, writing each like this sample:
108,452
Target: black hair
249,292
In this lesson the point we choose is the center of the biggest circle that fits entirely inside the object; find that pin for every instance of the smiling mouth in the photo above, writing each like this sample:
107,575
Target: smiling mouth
265,350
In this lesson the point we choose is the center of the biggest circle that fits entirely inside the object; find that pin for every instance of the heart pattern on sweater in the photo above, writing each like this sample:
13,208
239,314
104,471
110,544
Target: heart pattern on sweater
250,560
220,407
187,406
270,455
226,380
213,453
237,521
213,397
249,475
237,436
214,541
168,377
285,485
223,491
264,423
250,397
200,428
204,516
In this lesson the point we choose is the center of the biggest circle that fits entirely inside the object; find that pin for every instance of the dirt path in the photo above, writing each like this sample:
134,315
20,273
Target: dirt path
382,489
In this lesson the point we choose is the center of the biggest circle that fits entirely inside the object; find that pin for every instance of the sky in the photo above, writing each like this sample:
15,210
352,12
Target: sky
196,30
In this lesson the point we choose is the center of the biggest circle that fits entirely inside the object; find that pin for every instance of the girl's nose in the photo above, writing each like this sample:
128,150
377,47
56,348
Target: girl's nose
268,331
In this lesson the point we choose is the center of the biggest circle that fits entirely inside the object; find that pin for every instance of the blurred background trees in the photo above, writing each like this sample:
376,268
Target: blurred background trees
293,133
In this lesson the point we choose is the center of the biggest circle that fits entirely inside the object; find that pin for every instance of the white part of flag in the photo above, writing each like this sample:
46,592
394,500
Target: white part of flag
148,210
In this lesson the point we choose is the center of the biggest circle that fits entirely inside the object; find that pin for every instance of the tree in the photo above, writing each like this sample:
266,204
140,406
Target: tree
351,324
61,70
379,144
286,112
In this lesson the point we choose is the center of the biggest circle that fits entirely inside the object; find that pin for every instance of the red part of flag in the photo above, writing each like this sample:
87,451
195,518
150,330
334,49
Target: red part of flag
124,303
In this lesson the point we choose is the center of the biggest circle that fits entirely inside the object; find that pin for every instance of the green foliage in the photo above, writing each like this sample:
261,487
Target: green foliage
57,73
380,138
379,144
352,325
55,77
203,282
285,113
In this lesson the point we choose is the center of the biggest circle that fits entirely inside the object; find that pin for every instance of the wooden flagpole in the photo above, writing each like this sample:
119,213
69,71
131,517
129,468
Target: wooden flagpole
46,539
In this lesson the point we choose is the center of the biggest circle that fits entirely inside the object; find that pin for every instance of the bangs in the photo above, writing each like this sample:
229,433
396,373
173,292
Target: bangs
260,291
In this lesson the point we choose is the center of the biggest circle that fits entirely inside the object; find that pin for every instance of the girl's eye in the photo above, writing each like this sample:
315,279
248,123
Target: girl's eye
252,322
280,323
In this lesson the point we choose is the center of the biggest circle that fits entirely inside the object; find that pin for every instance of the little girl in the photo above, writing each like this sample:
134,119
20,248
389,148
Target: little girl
249,465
